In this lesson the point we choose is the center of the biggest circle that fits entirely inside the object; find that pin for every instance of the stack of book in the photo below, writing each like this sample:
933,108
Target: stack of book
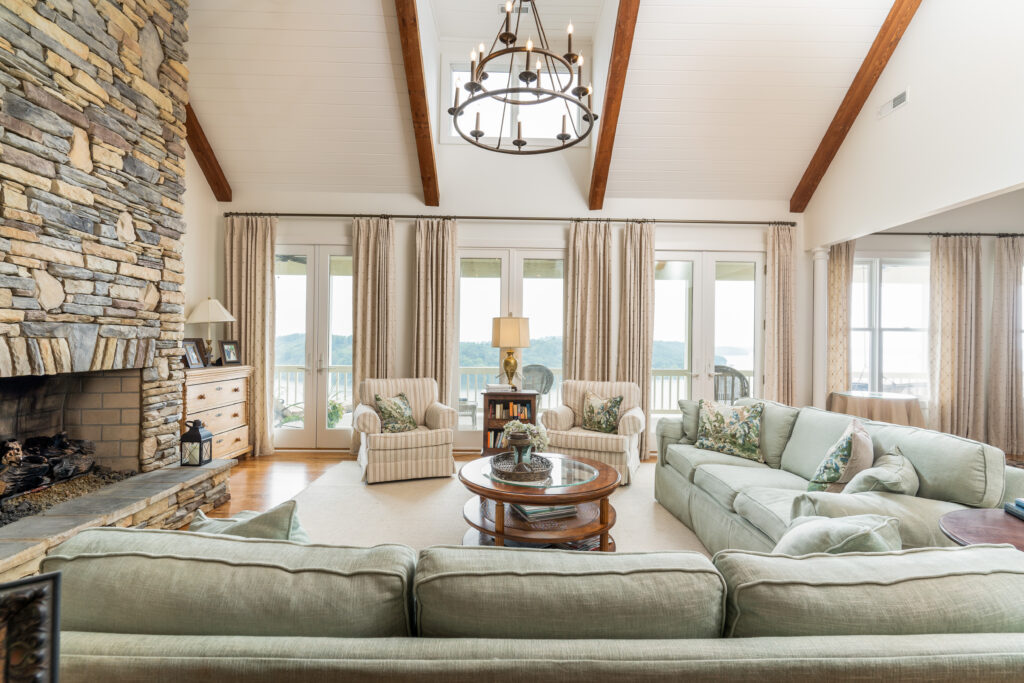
1015,508
591,543
538,513
498,387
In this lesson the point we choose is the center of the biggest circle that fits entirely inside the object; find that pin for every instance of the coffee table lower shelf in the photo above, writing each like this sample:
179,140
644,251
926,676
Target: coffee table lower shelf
479,513
472,537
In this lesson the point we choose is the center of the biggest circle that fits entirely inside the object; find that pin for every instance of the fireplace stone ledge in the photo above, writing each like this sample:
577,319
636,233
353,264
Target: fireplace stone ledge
161,499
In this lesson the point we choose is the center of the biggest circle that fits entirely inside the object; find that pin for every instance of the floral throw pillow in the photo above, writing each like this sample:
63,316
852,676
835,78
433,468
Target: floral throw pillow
395,414
849,455
601,414
733,430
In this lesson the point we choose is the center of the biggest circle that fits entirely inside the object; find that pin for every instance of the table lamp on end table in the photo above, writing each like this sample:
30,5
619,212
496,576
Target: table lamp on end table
510,333
209,312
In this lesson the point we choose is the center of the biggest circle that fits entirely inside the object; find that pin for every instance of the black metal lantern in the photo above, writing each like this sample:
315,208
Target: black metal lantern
196,444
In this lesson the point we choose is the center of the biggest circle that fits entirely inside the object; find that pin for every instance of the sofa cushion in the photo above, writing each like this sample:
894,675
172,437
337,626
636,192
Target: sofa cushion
975,589
281,523
768,509
691,418
724,482
777,422
542,594
601,414
858,533
686,459
850,454
421,437
735,430
182,583
813,434
892,472
395,413
948,467
919,517
582,439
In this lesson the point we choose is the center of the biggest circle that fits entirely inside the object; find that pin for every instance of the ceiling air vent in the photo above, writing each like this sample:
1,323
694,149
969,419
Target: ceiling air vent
893,104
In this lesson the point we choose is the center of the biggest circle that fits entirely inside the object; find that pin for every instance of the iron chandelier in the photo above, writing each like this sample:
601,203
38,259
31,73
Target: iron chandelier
527,74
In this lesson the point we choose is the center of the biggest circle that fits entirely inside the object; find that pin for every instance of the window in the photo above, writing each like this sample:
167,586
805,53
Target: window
494,283
889,325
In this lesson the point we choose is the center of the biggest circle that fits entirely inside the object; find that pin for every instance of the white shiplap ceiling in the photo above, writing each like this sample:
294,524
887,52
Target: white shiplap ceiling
303,94
478,20
728,99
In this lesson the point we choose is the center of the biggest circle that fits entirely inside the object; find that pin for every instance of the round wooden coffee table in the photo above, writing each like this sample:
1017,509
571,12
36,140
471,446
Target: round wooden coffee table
967,527
578,481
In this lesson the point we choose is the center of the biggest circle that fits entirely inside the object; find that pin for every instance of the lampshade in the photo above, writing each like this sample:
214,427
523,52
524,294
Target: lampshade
210,311
510,333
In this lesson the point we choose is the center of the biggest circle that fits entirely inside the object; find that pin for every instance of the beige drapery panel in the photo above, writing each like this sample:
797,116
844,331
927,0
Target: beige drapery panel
588,295
840,288
373,310
636,316
249,297
957,403
1006,371
780,293
434,338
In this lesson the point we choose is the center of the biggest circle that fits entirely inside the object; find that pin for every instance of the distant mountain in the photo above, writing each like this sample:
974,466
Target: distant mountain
290,349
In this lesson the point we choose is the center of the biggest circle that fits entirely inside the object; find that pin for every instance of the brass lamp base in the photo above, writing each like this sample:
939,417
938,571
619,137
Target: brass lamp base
510,366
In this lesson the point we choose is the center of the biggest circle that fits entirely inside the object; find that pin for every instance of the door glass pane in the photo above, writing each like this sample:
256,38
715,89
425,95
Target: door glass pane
860,296
339,364
290,273
860,360
673,331
905,362
735,329
904,296
543,284
479,303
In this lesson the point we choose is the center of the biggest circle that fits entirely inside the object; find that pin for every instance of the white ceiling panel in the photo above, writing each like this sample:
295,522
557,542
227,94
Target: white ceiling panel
728,99
478,20
303,94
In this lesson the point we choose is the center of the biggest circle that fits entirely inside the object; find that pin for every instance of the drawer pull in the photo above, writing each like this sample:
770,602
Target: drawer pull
218,414
219,388
236,389
237,439
200,397
235,415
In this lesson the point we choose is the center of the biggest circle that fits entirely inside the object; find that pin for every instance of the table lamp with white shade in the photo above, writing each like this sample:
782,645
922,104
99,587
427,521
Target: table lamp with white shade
209,312
510,333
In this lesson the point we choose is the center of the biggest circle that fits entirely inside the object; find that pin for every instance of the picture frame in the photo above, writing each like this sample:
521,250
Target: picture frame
195,353
231,352
30,628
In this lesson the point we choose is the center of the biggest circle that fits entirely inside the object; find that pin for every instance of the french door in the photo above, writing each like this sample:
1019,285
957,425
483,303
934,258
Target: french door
313,347
708,324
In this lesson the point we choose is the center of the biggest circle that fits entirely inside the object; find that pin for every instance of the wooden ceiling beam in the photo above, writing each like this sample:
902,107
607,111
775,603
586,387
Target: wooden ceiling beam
888,38
207,160
412,56
618,64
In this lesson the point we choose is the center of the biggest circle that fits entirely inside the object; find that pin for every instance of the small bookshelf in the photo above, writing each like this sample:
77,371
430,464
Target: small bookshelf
501,407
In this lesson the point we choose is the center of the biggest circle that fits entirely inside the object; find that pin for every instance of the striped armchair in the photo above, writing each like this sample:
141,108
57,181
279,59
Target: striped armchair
567,436
423,452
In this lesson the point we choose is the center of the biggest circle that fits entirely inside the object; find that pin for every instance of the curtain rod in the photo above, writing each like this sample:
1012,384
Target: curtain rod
947,234
549,219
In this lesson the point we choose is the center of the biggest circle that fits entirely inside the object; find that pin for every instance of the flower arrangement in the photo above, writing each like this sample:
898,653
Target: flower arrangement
538,435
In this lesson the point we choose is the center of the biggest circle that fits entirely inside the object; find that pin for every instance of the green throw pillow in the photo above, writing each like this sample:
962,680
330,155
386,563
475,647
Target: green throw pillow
601,414
856,534
733,430
849,455
279,523
395,414
892,472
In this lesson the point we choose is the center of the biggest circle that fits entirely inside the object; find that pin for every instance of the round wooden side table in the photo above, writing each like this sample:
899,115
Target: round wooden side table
988,525
581,482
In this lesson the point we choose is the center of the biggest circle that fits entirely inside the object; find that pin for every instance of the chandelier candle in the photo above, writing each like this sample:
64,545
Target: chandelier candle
569,31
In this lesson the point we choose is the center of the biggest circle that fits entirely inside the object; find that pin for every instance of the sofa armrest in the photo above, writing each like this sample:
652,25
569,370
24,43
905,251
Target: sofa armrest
1014,487
366,420
559,419
669,430
632,422
440,416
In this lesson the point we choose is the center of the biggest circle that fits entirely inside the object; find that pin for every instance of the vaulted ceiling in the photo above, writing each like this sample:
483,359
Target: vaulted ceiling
724,99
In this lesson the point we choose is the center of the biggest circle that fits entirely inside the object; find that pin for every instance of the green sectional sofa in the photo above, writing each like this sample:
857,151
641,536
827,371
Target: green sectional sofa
732,502
163,606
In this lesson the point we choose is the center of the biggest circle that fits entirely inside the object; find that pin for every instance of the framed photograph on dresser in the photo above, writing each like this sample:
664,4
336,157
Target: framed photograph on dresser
231,352
195,352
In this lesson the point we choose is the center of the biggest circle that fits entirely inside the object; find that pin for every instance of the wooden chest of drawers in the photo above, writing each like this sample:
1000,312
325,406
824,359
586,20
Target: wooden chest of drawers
220,398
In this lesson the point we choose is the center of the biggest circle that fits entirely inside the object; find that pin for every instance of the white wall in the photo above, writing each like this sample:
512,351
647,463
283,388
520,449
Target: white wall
959,138
204,245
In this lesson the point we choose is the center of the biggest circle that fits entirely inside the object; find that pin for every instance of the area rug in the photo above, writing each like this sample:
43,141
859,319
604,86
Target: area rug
340,509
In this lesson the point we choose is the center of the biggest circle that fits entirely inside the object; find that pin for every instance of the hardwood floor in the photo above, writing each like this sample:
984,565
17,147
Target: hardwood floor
261,483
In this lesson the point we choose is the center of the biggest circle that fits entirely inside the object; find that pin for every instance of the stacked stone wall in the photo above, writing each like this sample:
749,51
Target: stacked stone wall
92,155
